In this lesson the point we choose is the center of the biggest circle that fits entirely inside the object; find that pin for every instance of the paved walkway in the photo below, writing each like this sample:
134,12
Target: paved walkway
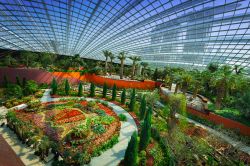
7,156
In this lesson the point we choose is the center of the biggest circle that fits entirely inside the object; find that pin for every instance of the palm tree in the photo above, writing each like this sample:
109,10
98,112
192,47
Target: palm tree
106,53
112,57
144,65
178,80
238,70
186,79
222,80
122,57
196,83
134,59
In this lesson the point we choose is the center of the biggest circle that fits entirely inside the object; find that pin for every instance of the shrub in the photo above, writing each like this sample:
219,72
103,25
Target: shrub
114,93
104,91
123,96
92,90
54,86
30,87
80,89
132,101
13,90
122,117
143,107
131,154
146,130
143,158
67,87
99,129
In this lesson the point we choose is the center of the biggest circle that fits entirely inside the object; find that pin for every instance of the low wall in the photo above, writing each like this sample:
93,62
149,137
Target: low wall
219,120
216,119
74,77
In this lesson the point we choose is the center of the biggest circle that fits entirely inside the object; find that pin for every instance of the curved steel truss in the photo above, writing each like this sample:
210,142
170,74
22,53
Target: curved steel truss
174,32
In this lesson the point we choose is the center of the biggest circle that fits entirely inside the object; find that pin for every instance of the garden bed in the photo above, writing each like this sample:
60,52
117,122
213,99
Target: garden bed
77,127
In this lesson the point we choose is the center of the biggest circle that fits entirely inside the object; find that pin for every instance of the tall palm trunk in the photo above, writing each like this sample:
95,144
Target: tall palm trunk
121,70
111,67
219,98
133,71
106,65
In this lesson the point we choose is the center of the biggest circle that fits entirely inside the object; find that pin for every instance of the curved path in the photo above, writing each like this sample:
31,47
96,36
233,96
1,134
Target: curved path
113,156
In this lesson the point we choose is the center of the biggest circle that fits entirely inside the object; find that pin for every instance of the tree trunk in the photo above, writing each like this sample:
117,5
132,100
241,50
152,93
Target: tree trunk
133,71
220,95
170,85
121,71
111,63
106,65
27,62
195,93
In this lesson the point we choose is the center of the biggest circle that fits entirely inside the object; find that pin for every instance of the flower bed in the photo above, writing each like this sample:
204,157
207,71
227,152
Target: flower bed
76,127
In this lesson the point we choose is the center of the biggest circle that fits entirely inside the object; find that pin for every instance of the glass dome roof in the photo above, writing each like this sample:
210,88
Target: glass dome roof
162,32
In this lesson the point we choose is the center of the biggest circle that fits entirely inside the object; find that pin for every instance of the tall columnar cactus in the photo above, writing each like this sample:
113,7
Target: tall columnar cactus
104,90
53,86
114,93
146,130
143,107
131,154
123,96
132,101
92,90
80,89
67,87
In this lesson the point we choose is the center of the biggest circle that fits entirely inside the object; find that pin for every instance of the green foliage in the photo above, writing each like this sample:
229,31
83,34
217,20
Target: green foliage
92,90
123,96
99,129
67,87
54,86
122,117
104,91
132,101
114,93
244,104
131,154
18,82
13,90
177,103
146,130
143,107
156,75
143,158
80,89
30,87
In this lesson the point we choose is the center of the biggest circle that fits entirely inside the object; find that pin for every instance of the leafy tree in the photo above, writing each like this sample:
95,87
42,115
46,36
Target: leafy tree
146,130
5,81
123,96
28,58
132,101
114,92
67,87
47,58
156,75
131,154
92,90
212,67
54,86
143,107
80,89
104,91
122,57
134,59
222,81
30,87
18,82
9,60
186,80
